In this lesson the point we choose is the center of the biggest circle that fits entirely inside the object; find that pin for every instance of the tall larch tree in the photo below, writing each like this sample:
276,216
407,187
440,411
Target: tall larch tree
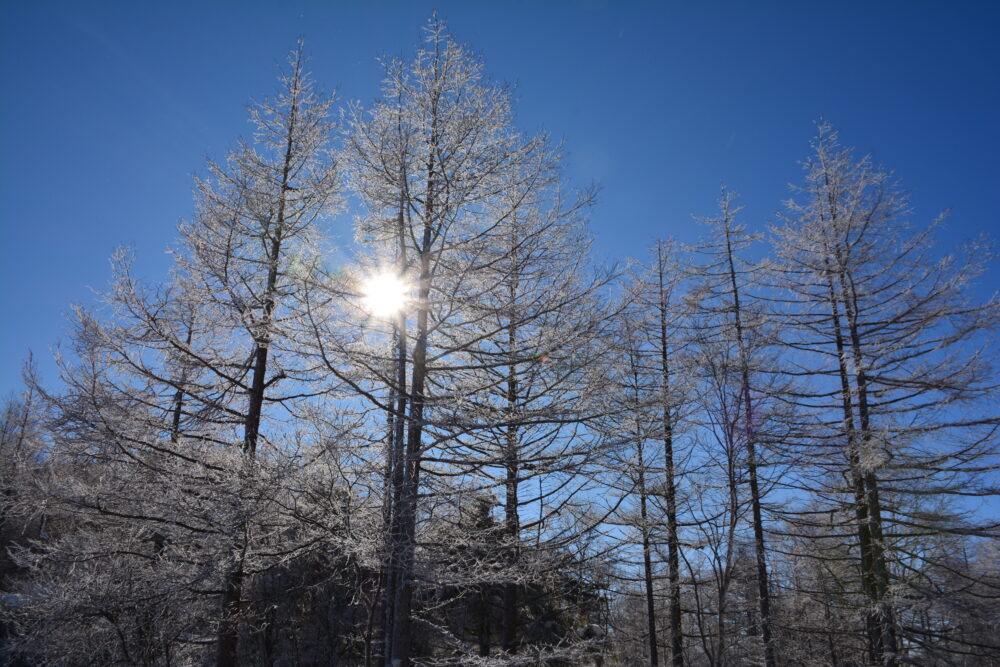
901,378
724,313
433,160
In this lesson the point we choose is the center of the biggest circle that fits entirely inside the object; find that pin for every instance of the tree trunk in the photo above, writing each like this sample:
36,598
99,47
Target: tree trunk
512,519
654,658
861,507
395,457
228,642
879,570
404,548
670,490
763,592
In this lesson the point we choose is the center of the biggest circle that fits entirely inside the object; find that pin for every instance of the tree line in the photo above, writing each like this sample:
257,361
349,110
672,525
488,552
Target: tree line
768,448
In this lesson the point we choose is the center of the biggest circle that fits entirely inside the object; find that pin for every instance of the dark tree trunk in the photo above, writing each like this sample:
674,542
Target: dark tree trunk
861,507
763,589
403,547
394,460
175,426
647,562
402,550
512,519
670,490
885,620
232,599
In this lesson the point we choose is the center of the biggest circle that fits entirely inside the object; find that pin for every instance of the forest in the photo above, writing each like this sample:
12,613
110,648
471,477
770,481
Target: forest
474,444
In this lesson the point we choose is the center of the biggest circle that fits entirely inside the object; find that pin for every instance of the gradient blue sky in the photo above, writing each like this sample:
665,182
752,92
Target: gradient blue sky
109,107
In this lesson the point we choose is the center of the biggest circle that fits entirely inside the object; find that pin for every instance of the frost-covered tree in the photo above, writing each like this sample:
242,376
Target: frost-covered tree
534,343
902,387
244,254
174,428
728,325
445,175
653,398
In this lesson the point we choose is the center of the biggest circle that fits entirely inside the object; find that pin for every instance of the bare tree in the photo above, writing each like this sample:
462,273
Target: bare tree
256,219
656,399
436,161
725,316
536,337
900,380
177,407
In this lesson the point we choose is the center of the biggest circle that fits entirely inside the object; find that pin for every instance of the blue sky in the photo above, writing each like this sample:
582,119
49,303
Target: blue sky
108,108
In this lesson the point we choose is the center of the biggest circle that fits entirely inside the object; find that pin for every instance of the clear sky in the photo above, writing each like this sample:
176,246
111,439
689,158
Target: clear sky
109,107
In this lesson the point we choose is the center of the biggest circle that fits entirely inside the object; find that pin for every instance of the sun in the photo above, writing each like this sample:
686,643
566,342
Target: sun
384,294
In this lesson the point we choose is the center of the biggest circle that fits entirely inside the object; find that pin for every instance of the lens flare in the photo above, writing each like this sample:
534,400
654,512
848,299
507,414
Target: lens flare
384,294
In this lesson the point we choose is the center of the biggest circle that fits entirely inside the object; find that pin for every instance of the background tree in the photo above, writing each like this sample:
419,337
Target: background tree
654,400
726,316
535,339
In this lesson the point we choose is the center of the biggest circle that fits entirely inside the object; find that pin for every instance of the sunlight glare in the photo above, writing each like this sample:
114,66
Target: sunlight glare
384,294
